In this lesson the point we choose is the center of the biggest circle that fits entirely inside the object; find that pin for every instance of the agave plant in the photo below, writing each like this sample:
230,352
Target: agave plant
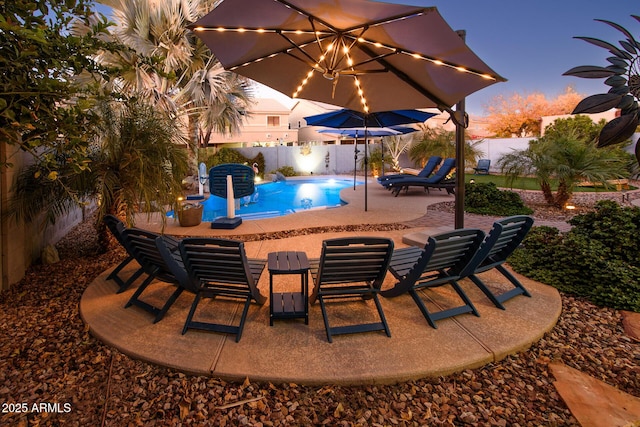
623,76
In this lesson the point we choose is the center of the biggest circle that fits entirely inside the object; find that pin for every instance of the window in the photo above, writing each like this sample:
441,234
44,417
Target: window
273,121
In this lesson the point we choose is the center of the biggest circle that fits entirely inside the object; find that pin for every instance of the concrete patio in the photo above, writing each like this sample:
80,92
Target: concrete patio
290,351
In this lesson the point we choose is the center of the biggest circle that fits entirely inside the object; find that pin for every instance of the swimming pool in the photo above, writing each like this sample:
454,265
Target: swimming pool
280,198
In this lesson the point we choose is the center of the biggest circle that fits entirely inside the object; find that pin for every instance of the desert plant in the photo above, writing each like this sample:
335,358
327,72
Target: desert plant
588,261
374,160
487,199
568,154
624,79
287,171
137,165
437,141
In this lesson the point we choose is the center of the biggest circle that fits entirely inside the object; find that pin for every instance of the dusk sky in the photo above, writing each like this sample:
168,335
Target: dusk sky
531,43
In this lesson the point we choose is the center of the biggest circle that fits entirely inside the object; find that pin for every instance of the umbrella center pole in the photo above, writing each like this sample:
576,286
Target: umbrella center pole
366,161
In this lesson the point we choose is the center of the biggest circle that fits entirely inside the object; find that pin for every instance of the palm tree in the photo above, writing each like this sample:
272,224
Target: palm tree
166,63
136,166
139,162
396,145
568,154
437,141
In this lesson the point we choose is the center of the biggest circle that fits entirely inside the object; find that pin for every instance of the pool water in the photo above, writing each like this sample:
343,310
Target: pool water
280,198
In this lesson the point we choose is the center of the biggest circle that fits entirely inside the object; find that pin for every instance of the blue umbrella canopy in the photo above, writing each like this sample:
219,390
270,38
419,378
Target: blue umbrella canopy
346,118
361,132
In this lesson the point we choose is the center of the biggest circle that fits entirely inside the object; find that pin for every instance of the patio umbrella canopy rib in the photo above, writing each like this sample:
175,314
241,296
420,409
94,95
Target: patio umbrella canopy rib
358,54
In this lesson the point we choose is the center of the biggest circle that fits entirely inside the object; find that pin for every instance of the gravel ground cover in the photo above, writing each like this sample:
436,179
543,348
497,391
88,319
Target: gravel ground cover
54,373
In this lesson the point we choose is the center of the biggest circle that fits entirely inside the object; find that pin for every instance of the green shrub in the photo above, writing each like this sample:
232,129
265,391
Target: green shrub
597,259
487,199
287,171
617,227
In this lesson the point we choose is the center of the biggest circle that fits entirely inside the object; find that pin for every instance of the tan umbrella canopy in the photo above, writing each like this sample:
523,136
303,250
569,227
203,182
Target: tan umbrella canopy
358,54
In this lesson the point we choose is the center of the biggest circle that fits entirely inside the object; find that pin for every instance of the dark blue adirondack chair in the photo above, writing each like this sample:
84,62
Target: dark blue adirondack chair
504,237
352,267
141,244
117,227
442,261
210,268
482,167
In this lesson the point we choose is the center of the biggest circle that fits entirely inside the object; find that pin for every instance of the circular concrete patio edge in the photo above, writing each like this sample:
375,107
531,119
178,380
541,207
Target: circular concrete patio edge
291,351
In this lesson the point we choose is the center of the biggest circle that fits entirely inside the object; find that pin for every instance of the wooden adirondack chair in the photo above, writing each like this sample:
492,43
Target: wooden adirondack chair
213,268
504,237
442,261
351,268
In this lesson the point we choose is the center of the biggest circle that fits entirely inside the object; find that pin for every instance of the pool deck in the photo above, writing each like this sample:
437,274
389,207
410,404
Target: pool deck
290,351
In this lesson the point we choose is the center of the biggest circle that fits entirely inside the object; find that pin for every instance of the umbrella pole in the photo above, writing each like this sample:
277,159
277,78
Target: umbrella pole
460,143
366,160
382,156
460,120
355,161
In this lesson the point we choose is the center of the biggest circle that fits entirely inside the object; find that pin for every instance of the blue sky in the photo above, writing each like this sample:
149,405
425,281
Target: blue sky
531,43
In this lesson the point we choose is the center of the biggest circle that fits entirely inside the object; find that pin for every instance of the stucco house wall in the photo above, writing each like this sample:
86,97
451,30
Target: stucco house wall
259,127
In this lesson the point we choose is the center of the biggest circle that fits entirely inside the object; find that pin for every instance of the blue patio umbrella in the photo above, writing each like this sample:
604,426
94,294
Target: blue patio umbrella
346,119
369,132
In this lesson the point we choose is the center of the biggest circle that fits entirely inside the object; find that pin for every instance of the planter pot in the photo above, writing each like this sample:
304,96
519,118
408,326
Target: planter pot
189,215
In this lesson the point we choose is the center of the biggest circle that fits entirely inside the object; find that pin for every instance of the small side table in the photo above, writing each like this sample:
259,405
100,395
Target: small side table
289,305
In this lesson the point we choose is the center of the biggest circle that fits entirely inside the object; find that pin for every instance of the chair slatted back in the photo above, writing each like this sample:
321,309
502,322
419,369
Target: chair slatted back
351,260
504,237
141,244
115,226
513,231
220,265
446,167
453,250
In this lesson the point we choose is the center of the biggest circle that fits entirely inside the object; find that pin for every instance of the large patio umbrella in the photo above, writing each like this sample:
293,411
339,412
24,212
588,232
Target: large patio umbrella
359,54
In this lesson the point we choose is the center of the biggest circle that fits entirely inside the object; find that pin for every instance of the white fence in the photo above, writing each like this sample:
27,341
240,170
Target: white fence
339,159
312,159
